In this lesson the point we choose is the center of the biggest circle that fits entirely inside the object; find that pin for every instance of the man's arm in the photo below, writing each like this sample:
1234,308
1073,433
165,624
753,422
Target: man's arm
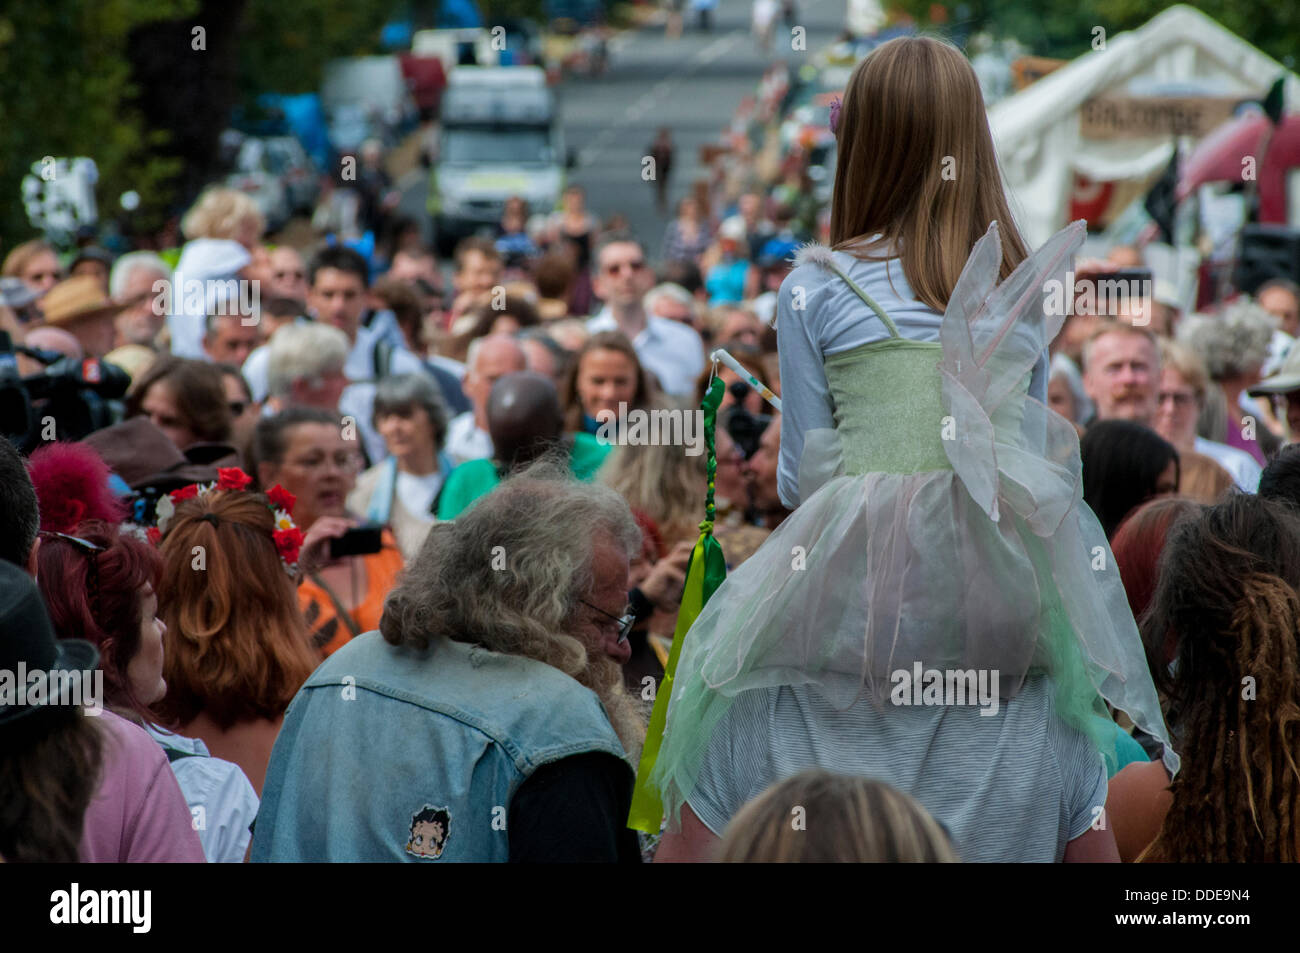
694,843
574,811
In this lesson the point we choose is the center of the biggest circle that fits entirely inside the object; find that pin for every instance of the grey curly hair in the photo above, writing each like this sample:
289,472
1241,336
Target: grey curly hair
510,573
1232,342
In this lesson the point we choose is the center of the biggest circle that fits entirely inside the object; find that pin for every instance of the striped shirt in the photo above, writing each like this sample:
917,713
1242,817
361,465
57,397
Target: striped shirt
1011,787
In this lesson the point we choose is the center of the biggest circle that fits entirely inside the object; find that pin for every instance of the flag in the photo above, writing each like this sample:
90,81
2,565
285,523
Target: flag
704,574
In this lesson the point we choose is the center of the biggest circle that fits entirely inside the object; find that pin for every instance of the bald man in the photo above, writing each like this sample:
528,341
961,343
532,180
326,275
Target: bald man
47,338
525,422
524,418
489,358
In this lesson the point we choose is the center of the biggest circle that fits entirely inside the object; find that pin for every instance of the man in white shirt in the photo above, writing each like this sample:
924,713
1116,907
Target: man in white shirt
490,357
670,350
338,279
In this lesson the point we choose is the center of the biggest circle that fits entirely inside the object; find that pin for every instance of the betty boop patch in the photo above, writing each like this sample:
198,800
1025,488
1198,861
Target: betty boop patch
430,829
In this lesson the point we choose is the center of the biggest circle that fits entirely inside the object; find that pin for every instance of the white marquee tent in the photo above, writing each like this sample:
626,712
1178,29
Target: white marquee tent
1038,131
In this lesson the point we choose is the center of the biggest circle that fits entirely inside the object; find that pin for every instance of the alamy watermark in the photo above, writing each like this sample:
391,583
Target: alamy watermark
23,686
229,296
930,686
673,427
1099,295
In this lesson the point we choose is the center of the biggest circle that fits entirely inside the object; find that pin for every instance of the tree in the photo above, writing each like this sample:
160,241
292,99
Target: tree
283,47
66,90
1066,30
1273,27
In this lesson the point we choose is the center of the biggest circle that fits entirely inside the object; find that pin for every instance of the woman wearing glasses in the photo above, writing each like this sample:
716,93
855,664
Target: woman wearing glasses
307,452
185,399
244,411
1183,384
102,586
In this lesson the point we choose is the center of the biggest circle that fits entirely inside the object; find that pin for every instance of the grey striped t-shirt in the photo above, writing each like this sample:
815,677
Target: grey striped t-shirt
1014,786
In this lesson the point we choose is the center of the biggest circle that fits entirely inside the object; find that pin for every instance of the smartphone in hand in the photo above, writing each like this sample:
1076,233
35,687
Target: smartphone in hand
358,541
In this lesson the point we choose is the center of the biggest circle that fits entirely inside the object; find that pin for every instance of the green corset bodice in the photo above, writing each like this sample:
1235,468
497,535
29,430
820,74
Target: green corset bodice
888,396
888,407
889,414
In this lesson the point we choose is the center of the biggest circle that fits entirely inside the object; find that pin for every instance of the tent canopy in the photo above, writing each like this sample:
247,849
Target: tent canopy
1038,131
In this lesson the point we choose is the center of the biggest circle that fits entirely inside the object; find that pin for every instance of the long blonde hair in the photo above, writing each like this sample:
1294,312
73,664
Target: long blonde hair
917,165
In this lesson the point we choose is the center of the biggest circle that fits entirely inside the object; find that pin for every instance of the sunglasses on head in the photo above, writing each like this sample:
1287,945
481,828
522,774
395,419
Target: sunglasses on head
91,551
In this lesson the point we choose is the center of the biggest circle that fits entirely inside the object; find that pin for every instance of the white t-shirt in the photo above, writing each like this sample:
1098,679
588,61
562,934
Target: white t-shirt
1015,786
465,441
417,492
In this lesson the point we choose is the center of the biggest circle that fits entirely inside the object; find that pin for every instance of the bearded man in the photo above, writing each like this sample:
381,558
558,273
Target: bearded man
486,720
1121,372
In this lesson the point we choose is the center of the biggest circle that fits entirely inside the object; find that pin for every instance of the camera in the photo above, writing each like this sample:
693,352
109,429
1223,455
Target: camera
68,400
744,428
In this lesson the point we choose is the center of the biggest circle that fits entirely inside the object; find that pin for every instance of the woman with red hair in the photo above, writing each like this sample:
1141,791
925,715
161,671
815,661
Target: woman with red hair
100,588
1137,546
238,648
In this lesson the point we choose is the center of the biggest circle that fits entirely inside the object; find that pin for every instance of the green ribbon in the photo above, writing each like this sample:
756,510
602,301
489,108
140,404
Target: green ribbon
704,574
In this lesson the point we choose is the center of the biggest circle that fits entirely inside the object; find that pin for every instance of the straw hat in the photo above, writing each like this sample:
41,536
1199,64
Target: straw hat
77,299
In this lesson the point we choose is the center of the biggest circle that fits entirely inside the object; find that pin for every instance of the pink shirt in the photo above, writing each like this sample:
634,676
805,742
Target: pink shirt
138,815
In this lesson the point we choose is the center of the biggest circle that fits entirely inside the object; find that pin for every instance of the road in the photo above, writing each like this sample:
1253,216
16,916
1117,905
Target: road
692,84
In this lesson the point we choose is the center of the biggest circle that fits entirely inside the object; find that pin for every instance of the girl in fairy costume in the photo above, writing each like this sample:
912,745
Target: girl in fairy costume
940,612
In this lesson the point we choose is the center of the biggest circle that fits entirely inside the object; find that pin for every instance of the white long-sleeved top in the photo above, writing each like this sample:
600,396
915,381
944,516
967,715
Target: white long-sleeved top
834,319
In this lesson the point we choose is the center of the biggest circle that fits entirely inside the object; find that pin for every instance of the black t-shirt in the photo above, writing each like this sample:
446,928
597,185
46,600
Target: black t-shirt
574,811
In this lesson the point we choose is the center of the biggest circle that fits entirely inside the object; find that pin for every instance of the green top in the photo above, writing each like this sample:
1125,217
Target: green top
476,478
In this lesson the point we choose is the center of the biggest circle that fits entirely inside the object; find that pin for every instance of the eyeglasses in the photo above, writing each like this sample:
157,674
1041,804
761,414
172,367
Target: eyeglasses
1179,398
347,462
615,268
625,621
91,550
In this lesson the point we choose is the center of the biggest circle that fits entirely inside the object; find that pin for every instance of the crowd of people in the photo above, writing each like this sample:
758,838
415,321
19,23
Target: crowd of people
366,577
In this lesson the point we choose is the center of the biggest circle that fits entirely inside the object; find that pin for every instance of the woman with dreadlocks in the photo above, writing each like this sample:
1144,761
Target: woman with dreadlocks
1228,592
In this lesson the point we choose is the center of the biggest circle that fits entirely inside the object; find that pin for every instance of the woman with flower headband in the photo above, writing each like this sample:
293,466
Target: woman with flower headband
237,648
937,550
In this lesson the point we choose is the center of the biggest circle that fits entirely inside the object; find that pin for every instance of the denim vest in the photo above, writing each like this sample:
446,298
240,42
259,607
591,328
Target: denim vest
394,754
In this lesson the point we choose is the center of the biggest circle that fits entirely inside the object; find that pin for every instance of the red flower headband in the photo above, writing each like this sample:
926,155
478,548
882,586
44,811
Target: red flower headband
287,536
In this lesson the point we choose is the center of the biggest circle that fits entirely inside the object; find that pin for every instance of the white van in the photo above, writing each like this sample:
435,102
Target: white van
500,137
